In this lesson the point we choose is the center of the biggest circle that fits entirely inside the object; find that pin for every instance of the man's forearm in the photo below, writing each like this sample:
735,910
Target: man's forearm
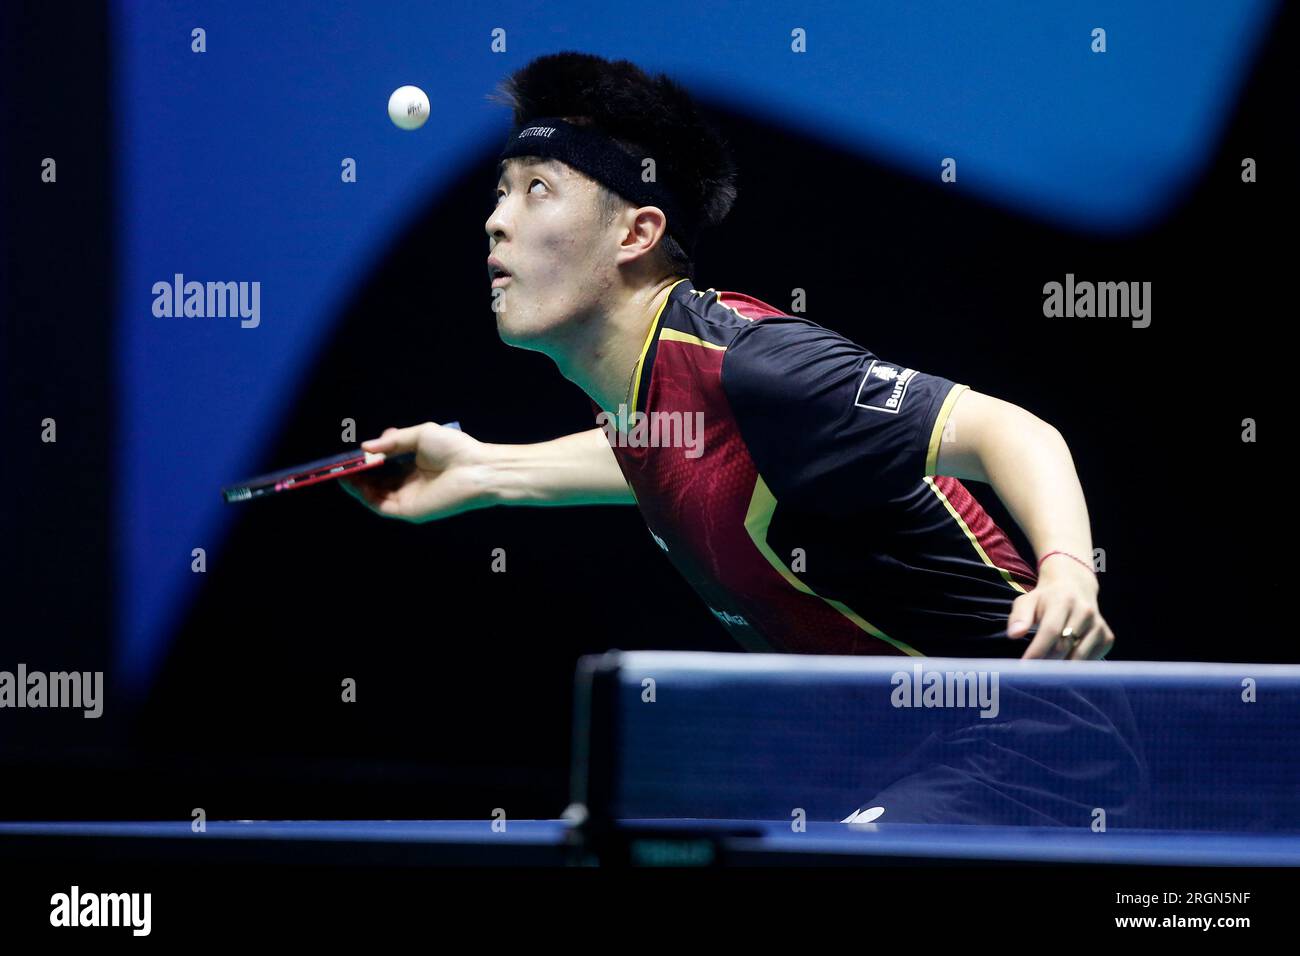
578,469
1031,470
1028,465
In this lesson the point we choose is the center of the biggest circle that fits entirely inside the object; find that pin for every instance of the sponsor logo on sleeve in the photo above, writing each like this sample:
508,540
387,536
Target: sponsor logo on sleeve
884,387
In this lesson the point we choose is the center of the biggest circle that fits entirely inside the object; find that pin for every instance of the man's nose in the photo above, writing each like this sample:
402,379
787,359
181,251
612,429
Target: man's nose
494,226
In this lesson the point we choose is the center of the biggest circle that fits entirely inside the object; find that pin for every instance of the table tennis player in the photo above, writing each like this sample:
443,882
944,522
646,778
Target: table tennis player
820,508
809,490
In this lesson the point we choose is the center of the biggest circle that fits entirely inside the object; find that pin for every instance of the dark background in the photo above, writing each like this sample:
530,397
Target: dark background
464,688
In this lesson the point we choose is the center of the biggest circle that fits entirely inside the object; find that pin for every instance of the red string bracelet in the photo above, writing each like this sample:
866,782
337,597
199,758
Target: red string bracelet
1068,555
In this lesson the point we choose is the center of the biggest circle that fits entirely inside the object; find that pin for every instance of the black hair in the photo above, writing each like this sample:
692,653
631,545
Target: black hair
646,116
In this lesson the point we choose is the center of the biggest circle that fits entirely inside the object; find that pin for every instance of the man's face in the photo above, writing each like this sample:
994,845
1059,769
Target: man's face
548,232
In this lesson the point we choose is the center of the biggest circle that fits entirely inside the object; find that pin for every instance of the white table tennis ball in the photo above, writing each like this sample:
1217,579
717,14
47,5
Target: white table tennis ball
408,107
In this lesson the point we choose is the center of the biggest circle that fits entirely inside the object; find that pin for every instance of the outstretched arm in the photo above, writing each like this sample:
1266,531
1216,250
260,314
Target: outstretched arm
454,473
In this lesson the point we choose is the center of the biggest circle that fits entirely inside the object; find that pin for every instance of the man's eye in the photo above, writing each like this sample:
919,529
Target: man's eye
501,192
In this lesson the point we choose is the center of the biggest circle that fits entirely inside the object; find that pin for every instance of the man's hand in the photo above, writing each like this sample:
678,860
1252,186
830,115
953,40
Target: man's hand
1064,606
444,480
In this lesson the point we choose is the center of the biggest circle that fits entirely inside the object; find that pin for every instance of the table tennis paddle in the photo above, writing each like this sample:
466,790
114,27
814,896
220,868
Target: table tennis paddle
314,472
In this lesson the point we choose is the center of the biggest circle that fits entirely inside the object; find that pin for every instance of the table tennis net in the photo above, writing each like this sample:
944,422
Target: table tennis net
1212,747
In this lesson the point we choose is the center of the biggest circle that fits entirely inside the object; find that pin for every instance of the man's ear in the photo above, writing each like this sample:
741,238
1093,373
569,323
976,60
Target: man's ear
649,226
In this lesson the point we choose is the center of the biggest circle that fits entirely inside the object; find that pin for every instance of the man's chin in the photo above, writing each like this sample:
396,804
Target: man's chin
521,336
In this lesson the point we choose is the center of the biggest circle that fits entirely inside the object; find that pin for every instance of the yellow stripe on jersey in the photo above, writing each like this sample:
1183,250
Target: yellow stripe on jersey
932,462
762,504
970,535
645,346
936,433
672,335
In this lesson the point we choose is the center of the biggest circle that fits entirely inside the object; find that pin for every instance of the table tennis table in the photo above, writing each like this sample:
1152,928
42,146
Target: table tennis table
673,842
682,759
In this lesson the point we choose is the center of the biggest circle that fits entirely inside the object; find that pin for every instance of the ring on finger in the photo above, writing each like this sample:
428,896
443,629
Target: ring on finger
1071,637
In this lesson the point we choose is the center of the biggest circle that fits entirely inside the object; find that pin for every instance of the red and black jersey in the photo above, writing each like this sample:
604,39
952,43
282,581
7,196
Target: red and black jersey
806,510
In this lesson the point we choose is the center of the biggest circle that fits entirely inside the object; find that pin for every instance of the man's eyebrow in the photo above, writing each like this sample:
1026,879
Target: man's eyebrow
524,162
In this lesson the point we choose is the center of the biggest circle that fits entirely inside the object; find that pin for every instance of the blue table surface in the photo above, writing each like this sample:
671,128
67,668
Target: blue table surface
1050,844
